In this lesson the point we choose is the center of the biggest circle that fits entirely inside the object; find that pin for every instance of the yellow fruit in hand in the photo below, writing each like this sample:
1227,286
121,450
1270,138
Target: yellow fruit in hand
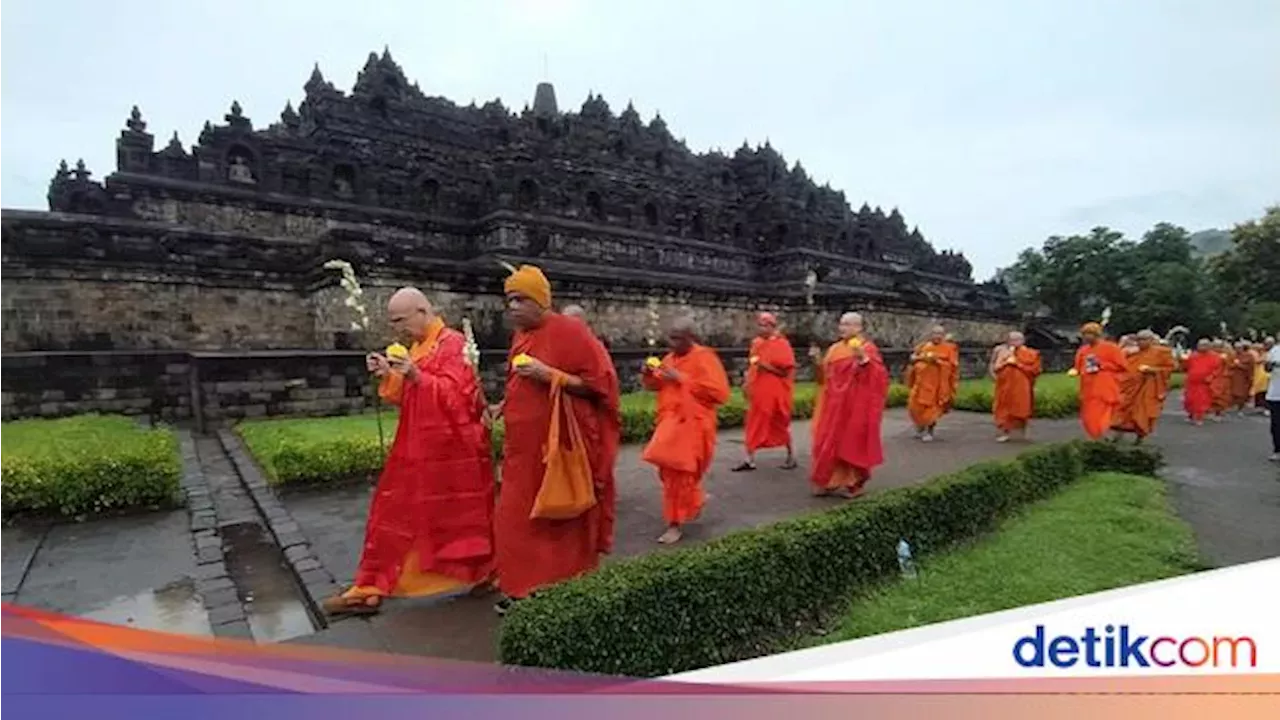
521,360
1073,372
754,359
653,362
855,343
396,351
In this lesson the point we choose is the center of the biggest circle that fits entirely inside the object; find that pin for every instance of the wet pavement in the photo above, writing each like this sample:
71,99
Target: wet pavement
218,566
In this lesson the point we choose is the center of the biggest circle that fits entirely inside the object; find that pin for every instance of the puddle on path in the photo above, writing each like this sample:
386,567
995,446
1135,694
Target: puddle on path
271,598
174,608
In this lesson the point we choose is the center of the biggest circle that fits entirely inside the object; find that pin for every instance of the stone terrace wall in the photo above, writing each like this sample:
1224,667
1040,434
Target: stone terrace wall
210,388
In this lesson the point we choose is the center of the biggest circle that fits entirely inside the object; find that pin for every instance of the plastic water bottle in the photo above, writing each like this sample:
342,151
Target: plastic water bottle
905,563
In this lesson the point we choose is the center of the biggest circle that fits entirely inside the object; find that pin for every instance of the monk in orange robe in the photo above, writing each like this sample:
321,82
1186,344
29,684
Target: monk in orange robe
770,387
1241,381
1143,387
932,376
847,415
1015,368
608,503
691,384
1099,364
430,522
1203,367
1221,384
554,361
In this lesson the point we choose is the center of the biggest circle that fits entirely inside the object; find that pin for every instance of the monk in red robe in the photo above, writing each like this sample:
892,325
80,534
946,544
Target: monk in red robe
608,503
1143,387
1203,367
691,384
933,375
846,417
554,362
1099,364
1015,368
431,518
770,387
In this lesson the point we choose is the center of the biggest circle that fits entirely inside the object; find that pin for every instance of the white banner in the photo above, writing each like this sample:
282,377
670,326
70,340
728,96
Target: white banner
1216,622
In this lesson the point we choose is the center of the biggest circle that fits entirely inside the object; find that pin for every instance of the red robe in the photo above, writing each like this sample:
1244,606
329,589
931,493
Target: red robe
536,553
433,507
847,430
768,422
1202,369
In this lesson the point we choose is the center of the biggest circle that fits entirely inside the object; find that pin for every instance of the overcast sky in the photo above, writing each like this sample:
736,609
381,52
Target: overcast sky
991,124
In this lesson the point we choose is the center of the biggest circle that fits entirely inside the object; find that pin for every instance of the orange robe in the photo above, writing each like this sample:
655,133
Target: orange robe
770,396
1016,370
1165,359
430,521
847,417
1100,368
932,376
1221,384
1142,391
533,553
1241,380
686,423
1202,369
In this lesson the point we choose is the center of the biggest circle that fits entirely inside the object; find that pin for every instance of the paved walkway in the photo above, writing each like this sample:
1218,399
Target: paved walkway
203,570
464,628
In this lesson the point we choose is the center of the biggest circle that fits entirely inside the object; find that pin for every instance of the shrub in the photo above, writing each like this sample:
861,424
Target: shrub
748,593
87,464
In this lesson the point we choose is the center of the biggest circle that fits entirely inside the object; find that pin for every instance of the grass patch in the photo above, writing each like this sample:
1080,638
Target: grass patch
86,464
335,449
1108,530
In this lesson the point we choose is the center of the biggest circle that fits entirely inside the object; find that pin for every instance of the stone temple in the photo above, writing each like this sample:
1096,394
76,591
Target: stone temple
189,282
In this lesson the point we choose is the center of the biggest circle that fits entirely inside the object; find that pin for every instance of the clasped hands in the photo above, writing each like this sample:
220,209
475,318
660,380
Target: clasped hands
380,365
663,372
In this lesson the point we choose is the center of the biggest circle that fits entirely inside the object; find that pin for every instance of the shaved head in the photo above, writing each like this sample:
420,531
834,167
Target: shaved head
850,325
409,312
575,311
682,335
1016,338
937,333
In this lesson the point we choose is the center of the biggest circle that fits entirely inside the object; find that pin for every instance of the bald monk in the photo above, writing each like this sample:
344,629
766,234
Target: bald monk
1143,387
551,355
933,375
1015,368
430,523
1202,367
691,384
579,312
1099,364
769,387
853,385
1241,380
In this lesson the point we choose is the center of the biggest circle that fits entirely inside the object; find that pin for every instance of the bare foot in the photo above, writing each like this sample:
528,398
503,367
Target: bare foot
671,536
1002,438
818,492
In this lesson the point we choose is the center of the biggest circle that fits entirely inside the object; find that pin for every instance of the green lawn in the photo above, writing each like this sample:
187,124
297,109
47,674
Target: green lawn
1107,530
86,464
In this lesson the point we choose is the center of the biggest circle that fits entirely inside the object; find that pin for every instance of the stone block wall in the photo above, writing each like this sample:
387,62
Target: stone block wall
59,384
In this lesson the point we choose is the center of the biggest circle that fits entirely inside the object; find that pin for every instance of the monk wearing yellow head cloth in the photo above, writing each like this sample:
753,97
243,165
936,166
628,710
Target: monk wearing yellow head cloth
1100,365
555,511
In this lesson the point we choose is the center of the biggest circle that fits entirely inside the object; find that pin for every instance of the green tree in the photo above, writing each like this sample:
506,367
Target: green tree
1249,272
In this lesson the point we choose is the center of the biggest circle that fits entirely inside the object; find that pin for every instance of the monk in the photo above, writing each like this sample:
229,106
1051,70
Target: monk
430,523
1015,368
608,504
933,375
1241,378
769,387
1222,382
691,384
1099,364
846,417
553,360
1202,366
1143,387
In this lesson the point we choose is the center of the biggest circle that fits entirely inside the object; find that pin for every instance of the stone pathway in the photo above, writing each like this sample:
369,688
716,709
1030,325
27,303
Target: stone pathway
241,561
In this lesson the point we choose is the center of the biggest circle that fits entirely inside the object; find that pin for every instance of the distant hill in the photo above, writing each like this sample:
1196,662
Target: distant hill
1207,243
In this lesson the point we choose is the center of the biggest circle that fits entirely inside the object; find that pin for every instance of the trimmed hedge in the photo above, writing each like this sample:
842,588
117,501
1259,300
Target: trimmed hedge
87,464
747,594
321,450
